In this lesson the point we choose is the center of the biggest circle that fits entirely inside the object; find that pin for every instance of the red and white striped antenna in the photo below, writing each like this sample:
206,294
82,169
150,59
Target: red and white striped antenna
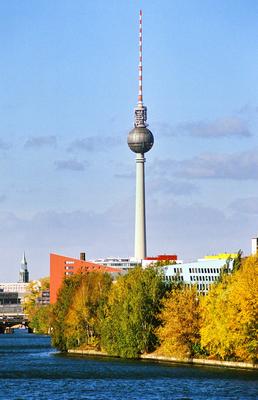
140,112
140,99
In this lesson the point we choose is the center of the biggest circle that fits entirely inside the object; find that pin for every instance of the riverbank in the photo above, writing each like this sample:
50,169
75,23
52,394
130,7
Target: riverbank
157,358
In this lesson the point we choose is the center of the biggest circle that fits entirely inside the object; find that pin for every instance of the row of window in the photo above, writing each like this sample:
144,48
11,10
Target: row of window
175,278
203,286
178,270
204,270
203,278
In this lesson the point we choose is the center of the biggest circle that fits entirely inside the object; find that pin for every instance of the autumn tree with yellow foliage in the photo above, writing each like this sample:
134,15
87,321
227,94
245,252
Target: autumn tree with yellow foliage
39,315
230,315
86,310
179,334
77,312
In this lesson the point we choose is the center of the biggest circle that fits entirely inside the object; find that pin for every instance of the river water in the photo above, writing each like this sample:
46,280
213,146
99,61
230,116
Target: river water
31,369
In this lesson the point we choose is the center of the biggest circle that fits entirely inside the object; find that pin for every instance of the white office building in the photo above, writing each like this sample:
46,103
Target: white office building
202,273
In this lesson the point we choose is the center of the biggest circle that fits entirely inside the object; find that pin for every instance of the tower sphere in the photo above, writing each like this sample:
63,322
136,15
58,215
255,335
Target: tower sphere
140,140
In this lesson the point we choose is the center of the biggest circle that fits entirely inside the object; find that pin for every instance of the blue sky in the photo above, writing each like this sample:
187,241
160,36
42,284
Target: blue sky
68,80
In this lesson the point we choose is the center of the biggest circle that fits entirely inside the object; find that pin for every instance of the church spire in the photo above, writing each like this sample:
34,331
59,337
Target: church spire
24,273
24,261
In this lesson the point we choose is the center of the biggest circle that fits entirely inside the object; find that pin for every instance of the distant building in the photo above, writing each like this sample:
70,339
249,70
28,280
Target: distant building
254,245
202,273
169,258
10,303
24,273
12,294
117,262
62,266
18,287
44,298
130,262
221,256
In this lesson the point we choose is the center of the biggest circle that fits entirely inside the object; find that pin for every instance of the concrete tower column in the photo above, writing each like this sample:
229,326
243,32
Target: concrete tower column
140,222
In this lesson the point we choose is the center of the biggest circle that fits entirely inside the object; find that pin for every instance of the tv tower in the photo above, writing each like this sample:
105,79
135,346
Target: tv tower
140,140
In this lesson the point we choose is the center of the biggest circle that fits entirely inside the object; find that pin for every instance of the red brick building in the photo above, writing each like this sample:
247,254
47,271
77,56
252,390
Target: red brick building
61,267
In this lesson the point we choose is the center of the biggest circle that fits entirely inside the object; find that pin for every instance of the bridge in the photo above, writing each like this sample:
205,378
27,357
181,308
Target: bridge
12,316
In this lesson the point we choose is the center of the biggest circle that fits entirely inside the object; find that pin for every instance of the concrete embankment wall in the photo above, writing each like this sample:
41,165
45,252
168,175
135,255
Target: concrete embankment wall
154,357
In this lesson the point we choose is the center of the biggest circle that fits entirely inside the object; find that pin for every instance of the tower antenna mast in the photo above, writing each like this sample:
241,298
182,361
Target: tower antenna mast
140,112
140,98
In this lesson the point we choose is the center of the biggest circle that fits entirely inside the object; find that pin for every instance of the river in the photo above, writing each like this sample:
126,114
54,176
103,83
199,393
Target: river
31,369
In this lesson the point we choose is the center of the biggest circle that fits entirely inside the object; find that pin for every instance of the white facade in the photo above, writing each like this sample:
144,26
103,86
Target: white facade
254,245
117,262
19,287
202,273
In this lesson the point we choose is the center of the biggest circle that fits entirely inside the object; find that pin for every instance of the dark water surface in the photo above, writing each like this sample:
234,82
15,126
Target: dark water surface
31,369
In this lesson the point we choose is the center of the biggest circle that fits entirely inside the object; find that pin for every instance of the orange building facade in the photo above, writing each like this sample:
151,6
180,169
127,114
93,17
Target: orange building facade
62,267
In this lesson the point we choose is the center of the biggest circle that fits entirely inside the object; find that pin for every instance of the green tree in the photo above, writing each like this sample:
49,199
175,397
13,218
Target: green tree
237,261
41,319
131,314
179,333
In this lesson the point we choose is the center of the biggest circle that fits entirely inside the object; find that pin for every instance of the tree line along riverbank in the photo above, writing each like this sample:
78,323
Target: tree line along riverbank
141,314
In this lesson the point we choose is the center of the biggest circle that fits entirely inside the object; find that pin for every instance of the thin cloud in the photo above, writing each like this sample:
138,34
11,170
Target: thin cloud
4,145
126,175
248,205
223,127
40,141
2,198
236,166
94,143
176,188
164,129
70,165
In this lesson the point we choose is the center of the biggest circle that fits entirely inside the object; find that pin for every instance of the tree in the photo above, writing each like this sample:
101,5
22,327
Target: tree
39,315
41,319
78,310
86,309
60,311
215,319
179,333
229,315
131,314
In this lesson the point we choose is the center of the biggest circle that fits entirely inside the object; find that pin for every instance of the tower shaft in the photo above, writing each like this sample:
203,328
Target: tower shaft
140,221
